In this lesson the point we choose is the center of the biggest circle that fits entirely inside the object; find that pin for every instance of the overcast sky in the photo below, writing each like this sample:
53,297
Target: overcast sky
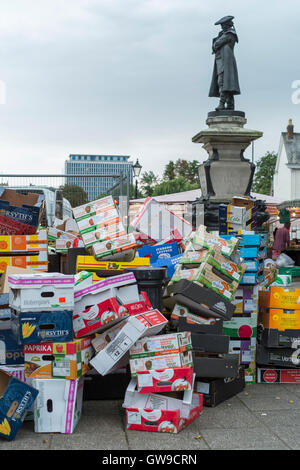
131,77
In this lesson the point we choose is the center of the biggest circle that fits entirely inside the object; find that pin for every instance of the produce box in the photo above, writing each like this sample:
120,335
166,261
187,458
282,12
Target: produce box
108,268
210,278
157,252
180,311
42,291
293,271
98,221
279,318
33,260
177,379
93,208
105,233
163,361
252,278
282,280
15,243
201,238
20,209
216,366
246,348
280,298
277,375
58,360
241,327
161,344
282,357
17,397
246,300
58,406
188,324
273,338
114,245
210,343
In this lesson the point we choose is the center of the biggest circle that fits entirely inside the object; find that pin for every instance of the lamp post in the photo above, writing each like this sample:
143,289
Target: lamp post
136,173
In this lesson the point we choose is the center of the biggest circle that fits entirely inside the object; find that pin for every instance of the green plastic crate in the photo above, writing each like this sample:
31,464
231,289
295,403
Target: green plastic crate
293,271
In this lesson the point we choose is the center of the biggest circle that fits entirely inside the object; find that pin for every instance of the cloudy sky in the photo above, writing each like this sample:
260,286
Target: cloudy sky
131,77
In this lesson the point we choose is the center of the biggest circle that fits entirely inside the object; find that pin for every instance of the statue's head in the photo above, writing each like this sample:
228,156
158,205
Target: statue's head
225,22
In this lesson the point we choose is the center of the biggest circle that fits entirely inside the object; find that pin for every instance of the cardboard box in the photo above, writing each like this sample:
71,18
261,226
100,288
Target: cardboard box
280,298
279,318
282,280
16,398
149,401
164,361
201,238
93,208
177,379
55,234
20,208
245,300
277,375
282,357
107,268
218,366
101,340
191,256
273,338
253,252
102,234
135,327
109,387
210,343
254,265
246,348
188,324
11,351
13,227
105,314
216,391
169,263
113,246
161,344
98,221
159,251
18,372
43,291
58,360
201,300
241,327
123,287
234,214
252,278
83,279
15,243
27,260
58,406
212,279
156,222
38,327
180,311
63,245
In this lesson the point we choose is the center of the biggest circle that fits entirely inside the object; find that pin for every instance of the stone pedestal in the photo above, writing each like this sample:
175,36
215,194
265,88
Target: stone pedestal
226,173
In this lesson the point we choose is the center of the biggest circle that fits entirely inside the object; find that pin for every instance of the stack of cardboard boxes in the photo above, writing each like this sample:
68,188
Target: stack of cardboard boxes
42,306
200,295
279,335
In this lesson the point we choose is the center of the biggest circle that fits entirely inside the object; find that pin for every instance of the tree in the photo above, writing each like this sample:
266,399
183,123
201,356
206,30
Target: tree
76,195
147,183
177,185
264,172
185,168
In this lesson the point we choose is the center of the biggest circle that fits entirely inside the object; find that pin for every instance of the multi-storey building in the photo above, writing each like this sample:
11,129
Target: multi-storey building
89,165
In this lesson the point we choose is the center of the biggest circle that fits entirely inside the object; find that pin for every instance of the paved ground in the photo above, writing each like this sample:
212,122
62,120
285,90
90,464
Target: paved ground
263,416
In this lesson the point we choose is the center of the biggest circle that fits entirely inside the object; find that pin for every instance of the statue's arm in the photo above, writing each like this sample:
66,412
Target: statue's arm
225,39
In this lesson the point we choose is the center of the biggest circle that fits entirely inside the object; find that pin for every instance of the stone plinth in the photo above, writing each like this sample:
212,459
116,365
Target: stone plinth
226,173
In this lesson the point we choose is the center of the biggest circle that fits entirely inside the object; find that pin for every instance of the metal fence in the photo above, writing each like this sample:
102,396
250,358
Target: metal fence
63,192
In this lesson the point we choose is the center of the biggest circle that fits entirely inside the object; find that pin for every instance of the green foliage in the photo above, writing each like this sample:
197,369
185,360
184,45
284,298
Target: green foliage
147,183
185,168
264,172
76,195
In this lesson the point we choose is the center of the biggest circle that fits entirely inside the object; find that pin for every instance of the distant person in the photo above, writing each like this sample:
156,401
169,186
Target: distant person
281,240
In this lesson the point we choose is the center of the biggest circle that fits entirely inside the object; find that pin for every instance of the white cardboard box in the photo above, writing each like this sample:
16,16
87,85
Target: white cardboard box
42,291
59,404
116,353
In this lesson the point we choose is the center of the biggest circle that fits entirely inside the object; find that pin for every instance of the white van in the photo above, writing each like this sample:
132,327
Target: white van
51,203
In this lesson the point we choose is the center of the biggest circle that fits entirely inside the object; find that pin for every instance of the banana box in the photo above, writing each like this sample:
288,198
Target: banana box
280,298
107,268
224,265
241,327
279,318
58,360
30,260
12,243
38,327
161,344
41,292
17,397
98,221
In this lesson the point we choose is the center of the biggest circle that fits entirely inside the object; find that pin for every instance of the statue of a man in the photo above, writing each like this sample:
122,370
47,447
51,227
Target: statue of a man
225,81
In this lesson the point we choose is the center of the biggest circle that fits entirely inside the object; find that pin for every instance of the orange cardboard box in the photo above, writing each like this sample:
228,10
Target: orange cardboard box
279,318
280,297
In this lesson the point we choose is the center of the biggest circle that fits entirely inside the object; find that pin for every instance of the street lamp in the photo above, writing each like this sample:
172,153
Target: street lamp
136,173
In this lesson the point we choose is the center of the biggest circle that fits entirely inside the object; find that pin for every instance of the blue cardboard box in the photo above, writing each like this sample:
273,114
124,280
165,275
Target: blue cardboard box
159,252
254,265
253,252
19,207
169,263
38,327
16,398
252,278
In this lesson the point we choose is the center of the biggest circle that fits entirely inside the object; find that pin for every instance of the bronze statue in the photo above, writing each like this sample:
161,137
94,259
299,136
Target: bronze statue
225,81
